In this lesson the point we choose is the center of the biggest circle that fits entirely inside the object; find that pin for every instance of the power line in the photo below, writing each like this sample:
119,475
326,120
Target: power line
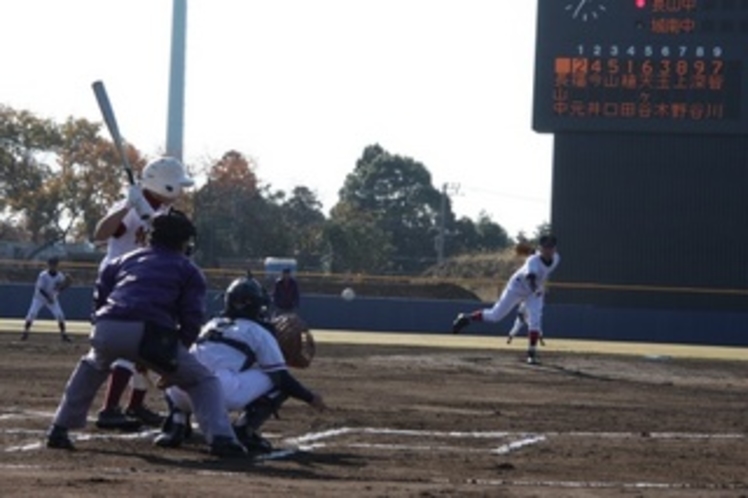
496,193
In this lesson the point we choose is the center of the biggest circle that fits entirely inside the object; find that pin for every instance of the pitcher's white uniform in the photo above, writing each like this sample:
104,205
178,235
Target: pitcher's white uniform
518,290
241,383
49,284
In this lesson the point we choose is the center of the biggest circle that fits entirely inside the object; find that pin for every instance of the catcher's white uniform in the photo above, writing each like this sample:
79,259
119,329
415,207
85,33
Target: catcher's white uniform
46,290
242,379
518,291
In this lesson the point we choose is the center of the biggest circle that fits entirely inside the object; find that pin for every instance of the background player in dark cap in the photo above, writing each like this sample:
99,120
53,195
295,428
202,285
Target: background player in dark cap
526,286
149,309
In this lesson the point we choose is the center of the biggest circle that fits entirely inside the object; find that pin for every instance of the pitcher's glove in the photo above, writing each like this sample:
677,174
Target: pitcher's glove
523,249
66,282
295,340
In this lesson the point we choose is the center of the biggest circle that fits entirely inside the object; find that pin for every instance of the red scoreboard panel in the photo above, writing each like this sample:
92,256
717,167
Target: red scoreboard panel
670,66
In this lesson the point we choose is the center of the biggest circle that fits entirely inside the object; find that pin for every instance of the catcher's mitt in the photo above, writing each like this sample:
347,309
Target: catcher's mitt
295,340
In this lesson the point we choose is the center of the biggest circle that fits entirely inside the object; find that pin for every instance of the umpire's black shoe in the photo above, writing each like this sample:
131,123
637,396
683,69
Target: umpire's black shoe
460,323
58,438
173,438
226,447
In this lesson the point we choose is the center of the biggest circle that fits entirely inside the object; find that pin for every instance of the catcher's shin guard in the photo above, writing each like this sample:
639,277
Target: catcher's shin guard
255,414
258,411
176,416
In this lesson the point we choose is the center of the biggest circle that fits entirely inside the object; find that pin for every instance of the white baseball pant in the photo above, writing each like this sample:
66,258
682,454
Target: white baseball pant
38,302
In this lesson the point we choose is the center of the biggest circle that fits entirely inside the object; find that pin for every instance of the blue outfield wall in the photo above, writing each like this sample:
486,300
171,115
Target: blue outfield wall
433,316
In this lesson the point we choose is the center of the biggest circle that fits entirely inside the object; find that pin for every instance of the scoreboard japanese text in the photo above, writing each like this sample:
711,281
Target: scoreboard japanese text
671,66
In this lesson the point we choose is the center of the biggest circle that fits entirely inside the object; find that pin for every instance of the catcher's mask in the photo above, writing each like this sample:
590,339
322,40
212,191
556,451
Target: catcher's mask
244,298
173,230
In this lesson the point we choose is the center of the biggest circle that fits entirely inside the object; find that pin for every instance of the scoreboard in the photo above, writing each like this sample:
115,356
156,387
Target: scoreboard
668,66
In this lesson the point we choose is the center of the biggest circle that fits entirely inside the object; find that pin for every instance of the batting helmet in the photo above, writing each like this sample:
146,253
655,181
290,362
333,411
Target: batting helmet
166,177
245,298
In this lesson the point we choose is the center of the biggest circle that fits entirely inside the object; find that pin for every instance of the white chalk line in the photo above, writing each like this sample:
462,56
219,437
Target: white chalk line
311,441
508,448
326,439
341,431
605,484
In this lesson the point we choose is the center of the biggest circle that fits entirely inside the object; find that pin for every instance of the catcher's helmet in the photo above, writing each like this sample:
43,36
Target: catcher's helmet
245,298
166,177
172,229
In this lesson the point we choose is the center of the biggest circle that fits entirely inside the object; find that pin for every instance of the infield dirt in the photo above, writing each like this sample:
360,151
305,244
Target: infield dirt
414,421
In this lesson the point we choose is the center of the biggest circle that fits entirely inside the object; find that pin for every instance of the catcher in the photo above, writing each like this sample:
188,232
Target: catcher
49,284
244,352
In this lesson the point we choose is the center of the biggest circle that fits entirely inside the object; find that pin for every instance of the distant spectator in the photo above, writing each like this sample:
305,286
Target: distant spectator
286,293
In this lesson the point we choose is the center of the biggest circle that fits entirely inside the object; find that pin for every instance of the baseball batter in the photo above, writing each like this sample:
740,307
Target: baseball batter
49,284
240,350
125,228
526,286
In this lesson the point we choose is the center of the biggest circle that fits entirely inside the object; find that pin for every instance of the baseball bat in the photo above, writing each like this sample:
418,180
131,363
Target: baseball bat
111,123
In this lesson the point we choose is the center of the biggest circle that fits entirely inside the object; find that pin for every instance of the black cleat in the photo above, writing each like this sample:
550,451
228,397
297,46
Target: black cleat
173,438
460,323
58,439
113,418
146,416
226,447
66,338
252,441
24,336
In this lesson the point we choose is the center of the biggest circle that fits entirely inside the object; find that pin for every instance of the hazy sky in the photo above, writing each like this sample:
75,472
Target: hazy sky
303,86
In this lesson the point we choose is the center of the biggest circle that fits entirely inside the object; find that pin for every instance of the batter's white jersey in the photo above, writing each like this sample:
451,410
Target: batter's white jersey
134,236
240,387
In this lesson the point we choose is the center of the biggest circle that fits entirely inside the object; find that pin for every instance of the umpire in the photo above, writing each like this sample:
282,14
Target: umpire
149,309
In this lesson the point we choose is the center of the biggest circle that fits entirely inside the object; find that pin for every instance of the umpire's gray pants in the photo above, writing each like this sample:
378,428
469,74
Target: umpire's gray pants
111,340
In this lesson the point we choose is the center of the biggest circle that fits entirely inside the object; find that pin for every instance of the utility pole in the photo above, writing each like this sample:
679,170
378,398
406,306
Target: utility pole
175,113
447,188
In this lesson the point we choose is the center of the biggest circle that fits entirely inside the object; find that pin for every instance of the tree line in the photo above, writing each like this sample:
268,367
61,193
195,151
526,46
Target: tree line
57,179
